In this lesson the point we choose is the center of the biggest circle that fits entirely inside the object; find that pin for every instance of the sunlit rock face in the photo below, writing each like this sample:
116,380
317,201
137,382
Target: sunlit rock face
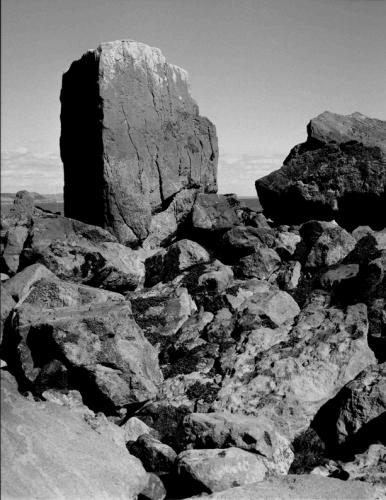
338,173
132,138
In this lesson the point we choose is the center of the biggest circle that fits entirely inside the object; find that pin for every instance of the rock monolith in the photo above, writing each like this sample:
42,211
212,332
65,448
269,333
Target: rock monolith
131,139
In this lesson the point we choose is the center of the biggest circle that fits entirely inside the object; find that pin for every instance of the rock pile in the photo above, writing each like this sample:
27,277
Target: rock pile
225,354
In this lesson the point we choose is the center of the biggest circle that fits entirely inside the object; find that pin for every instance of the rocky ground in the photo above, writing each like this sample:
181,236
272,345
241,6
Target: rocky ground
228,355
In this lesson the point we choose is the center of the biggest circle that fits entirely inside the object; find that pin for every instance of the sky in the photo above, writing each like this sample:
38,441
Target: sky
259,69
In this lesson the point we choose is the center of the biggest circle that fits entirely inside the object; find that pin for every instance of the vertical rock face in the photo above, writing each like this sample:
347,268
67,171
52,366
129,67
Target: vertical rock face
131,139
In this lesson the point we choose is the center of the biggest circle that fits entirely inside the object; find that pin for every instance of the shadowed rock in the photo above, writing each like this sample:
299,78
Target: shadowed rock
338,173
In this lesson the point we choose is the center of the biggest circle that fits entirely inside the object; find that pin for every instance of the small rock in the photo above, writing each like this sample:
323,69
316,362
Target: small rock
134,427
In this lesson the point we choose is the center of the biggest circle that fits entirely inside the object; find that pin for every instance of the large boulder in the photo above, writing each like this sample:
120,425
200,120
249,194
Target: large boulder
49,451
89,334
131,138
338,173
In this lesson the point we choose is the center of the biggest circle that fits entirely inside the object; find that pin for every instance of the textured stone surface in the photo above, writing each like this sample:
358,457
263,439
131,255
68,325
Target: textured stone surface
218,470
327,243
6,307
93,334
293,379
302,487
257,435
167,264
130,124
155,456
338,173
261,264
213,212
80,252
19,285
360,409
49,451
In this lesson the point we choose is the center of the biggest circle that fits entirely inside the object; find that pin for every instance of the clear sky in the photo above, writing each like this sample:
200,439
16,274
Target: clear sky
259,69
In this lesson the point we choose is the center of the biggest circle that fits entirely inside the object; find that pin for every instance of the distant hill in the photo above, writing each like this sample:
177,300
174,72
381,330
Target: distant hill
51,202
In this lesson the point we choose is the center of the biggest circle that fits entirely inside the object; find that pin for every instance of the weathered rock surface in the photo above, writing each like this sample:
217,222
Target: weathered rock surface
130,124
292,380
19,285
261,264
301,487
213,212
155,456
338,173
49,451
218,470
219,430
355,418
327,243
91,333
166,265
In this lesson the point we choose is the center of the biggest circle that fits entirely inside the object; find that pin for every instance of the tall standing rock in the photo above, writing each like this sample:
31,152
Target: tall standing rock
131,139
338,173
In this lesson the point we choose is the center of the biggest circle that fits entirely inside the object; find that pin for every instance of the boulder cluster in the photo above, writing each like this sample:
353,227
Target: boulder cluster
164,341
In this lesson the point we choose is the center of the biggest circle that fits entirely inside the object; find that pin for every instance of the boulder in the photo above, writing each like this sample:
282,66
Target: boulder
49,451
338,173
129,124
244,240
259,436
261,264
155,456
161,311
80,252
218,470
299,487
327,243
93,334
165,265
19,285
134,427
359,413
214,213
289,382
165,226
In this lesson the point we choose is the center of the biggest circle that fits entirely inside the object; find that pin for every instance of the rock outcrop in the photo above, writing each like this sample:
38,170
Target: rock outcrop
338,173
132,138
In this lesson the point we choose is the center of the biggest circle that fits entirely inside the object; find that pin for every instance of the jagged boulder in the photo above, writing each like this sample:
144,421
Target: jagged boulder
131,138
338,173
218,470
90,334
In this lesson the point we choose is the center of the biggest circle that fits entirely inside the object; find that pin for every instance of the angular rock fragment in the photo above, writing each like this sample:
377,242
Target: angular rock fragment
130,124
